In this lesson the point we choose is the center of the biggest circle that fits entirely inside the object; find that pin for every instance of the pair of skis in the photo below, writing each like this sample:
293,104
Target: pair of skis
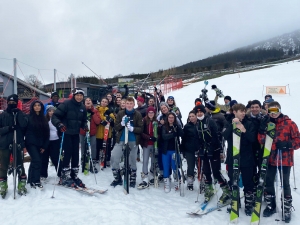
104,146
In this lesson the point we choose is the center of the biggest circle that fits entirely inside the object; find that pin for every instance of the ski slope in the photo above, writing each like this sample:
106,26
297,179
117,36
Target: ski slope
153,206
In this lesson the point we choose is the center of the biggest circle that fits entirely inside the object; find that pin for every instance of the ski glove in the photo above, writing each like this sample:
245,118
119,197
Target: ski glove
130,128
284,145
123,121
90,111
153,139
62,127
110,119
103,123
263,124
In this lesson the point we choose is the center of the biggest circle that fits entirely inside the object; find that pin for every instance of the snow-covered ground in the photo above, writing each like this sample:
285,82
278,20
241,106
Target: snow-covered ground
153,206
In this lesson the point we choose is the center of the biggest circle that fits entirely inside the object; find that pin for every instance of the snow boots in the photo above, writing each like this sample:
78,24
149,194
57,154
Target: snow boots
208,192
249,198
167,187
287,208
22,185
77,181
66,179
271,205
118,179
226,195
132,179
190,183
93,168
3,187
145,183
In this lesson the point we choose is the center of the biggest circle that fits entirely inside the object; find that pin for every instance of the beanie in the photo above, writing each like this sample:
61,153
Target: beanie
232,103
13,97
76,91
266,96
165,104
213,86
49,107
140,99
197,100
227,97
200,108
54,94
151,109
211,105
269,100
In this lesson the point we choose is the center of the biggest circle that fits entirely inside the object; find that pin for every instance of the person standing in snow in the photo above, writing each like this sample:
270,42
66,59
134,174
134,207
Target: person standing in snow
287,139
69,117
54,101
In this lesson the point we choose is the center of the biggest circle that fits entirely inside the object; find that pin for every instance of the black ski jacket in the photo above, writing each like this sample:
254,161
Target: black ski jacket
190,141
169,137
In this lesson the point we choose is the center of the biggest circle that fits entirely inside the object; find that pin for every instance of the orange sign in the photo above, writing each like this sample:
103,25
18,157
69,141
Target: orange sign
276,90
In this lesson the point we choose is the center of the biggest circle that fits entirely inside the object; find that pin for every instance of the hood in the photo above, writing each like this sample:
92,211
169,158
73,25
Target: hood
32,104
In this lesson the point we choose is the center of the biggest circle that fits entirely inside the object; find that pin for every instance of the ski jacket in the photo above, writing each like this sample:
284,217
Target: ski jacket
94,122
286,130
169,138
72,114
7,135
147,132
142,110
137,123
247,138
103,116
190,140
219,119
224,108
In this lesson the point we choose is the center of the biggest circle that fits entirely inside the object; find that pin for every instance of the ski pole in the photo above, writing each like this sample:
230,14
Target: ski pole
60,150
90,152
213,179
295,187
200,182
282,191
276,193
15,156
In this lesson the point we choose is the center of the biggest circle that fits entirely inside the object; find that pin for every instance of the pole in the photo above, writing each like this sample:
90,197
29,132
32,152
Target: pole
72,81
15,77
54,84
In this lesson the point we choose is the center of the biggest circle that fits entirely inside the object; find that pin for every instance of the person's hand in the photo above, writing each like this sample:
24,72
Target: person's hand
123,121
241,127
110,120
62,127
86,128
263,124
42,150
130,128
153,139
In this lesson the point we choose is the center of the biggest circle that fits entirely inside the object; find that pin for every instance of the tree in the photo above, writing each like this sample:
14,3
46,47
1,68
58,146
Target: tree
34,81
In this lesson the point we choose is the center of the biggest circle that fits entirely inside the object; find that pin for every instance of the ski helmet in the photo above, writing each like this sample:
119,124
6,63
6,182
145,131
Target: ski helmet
77,90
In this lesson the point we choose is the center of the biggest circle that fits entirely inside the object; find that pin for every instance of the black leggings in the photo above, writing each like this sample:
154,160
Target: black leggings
190,159
247,177
34,171
53,152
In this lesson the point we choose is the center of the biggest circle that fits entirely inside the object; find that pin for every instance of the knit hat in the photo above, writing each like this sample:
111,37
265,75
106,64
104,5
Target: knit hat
266,96
200,108
50,107
232,103
140,99
227,97
165,104
197,100
211,105
269,100
13,97
213,86
151,109
54,94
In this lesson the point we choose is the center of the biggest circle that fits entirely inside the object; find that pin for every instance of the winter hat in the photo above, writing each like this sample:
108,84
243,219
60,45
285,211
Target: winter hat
151,109
197,101
54,94
213,86
140,99
76,91
13,97
200,108
227,97
49,107
211,105
266,96
269,100
232,103
165,104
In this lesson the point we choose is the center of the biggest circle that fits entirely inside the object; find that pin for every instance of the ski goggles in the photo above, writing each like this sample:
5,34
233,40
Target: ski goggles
171,97
273,110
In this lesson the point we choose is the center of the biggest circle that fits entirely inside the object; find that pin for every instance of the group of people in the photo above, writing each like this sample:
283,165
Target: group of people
157,127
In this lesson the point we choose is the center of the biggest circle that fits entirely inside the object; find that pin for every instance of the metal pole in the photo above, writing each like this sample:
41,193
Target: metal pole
15,77
54,84
72,81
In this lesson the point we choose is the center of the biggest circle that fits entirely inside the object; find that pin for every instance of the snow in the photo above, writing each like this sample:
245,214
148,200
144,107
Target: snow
153,206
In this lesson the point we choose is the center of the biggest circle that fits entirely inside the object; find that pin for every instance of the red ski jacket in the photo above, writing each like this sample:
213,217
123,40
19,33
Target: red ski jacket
95,121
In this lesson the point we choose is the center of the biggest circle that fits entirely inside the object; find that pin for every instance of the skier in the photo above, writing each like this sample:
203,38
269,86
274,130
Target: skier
246,154
223,108
135,129
69,117
173,108
94,119
148,140
54,101
171,131
106,116
287,139
7,128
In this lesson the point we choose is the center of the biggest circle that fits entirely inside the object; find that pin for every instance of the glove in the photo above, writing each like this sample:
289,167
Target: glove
62,127
107,113
213,86
103,123
86,128
153,139
263,124
284,145
123,121
15,110
130,128
90,111
110,120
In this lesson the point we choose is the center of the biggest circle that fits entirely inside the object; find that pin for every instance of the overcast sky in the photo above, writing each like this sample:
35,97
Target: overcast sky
125,36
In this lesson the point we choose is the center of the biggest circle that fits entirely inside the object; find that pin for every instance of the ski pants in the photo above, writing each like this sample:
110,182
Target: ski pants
215,170
93,145
71,151
147,153
191,160
285,181
247,177
53,152
34,170
4,162
168,161
117,153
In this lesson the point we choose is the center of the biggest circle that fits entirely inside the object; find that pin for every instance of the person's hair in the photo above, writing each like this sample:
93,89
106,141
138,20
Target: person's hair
129,99
118,92
238,107
274,104
40,122
193,111
255,102
48,118
117,99
105,99
123,100
112,97
168,128
147,119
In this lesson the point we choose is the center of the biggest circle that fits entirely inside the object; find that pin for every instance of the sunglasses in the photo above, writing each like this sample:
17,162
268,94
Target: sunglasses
171,97
273,110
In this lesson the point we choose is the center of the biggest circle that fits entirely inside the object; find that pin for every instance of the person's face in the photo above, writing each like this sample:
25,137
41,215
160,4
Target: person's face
151,102
239,114
266,106
55,98
50,112
171,119
104,102
88,103
129,105
274,112
255,109
192,117
78,97
37,107
139,103
118,101
151,114
109,97
226,101
164,109
118,95
123,104
200,114
170,101
267,98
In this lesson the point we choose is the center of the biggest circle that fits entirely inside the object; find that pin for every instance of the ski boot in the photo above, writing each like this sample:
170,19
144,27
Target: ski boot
271,205
132,179
287,208
167,187
176,183
226,195
22,185
249,198
93,168
66,179
190,183
77,181
118,179
144,183
208,192
3,187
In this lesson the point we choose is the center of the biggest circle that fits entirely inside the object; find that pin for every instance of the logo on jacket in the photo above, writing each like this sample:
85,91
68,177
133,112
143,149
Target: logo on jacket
81,110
